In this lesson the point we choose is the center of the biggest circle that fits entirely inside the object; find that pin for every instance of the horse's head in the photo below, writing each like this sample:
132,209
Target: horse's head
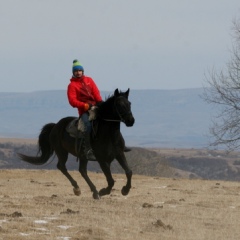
123,107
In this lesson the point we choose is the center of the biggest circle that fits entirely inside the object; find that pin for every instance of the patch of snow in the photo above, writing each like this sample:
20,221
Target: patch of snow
3,221
24,234
64,227
40,221
64,238
160,187
158,203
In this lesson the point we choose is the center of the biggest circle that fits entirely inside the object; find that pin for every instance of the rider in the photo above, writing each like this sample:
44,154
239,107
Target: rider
83,93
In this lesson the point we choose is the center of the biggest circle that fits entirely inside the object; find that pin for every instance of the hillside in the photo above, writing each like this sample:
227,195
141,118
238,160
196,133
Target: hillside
160,162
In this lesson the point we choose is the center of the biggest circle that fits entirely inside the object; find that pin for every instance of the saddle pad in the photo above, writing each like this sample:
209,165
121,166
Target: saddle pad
72,129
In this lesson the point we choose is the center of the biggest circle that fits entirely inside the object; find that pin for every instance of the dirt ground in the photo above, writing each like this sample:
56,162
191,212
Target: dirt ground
40,204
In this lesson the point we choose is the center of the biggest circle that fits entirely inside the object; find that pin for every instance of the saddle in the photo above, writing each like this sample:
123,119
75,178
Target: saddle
76,128
72,129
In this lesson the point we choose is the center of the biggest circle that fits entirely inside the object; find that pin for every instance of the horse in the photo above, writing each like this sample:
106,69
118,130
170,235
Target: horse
106,141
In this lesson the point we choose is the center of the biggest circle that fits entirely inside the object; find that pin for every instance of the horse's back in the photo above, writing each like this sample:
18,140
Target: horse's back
59,129
66,120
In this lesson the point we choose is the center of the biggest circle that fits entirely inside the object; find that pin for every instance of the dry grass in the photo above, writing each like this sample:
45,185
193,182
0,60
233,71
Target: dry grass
40,204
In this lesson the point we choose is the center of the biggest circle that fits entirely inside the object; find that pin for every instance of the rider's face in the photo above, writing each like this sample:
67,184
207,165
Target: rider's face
78,73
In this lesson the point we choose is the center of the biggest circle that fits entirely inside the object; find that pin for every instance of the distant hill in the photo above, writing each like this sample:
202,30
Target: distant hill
164,118
171,163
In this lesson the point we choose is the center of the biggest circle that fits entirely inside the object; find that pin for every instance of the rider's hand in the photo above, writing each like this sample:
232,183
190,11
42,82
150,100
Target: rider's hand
87,106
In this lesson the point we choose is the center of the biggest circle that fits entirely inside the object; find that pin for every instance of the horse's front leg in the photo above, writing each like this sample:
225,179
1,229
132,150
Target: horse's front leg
105,166
123,162
83,170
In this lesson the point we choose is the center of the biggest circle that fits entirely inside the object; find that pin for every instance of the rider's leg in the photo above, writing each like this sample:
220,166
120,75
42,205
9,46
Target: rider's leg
87,135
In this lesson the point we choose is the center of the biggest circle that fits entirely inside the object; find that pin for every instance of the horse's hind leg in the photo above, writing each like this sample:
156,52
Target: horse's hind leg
62,159
83,170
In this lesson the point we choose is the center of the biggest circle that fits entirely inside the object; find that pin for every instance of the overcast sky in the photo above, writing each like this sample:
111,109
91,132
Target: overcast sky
154,44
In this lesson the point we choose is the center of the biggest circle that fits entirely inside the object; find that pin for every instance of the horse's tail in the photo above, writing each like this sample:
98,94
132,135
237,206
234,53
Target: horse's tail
44,146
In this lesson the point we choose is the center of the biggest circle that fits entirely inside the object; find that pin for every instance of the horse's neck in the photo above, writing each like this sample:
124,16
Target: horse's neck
111,123
106,112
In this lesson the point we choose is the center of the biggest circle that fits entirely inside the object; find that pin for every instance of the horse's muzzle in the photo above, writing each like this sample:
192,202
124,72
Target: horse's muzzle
129,121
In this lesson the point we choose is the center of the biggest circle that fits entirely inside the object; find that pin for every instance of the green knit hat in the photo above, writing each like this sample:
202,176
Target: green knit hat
77,66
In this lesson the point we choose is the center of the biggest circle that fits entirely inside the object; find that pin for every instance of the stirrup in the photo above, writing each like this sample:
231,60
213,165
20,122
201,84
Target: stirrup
90,156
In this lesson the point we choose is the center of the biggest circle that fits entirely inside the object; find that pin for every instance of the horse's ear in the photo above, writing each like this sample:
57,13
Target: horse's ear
116,92
127,92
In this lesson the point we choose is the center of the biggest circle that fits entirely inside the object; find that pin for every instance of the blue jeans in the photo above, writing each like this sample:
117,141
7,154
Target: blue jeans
86,122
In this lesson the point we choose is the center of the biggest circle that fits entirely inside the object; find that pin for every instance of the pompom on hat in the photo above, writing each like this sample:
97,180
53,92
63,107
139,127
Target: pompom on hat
77,66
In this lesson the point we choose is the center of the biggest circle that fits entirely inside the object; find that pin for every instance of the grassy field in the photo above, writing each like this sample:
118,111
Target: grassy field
40,204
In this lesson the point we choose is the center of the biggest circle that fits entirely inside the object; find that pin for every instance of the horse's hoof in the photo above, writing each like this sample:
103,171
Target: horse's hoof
125,191
77,191
96,196
104,191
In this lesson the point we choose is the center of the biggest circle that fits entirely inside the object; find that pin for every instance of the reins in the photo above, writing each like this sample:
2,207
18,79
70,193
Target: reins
111,120
119,114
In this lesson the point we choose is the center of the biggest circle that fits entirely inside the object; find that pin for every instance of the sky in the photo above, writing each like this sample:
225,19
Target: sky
136,44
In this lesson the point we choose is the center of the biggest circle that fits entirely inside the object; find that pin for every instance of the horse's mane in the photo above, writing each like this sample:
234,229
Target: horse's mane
107,103
111,96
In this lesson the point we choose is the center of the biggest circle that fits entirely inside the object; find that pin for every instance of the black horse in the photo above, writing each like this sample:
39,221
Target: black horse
106,140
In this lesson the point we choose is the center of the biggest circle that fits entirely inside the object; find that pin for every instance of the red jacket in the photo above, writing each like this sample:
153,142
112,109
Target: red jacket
81,92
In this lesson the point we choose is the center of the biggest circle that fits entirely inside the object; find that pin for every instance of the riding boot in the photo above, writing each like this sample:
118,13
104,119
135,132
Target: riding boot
88,152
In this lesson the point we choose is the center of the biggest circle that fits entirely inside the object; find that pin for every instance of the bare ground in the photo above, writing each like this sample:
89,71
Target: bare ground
40,204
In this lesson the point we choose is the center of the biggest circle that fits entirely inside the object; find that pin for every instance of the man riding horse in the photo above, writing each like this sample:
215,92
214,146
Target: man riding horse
83,94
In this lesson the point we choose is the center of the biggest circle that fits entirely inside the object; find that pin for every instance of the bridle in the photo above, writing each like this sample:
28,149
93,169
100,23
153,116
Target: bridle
121,115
